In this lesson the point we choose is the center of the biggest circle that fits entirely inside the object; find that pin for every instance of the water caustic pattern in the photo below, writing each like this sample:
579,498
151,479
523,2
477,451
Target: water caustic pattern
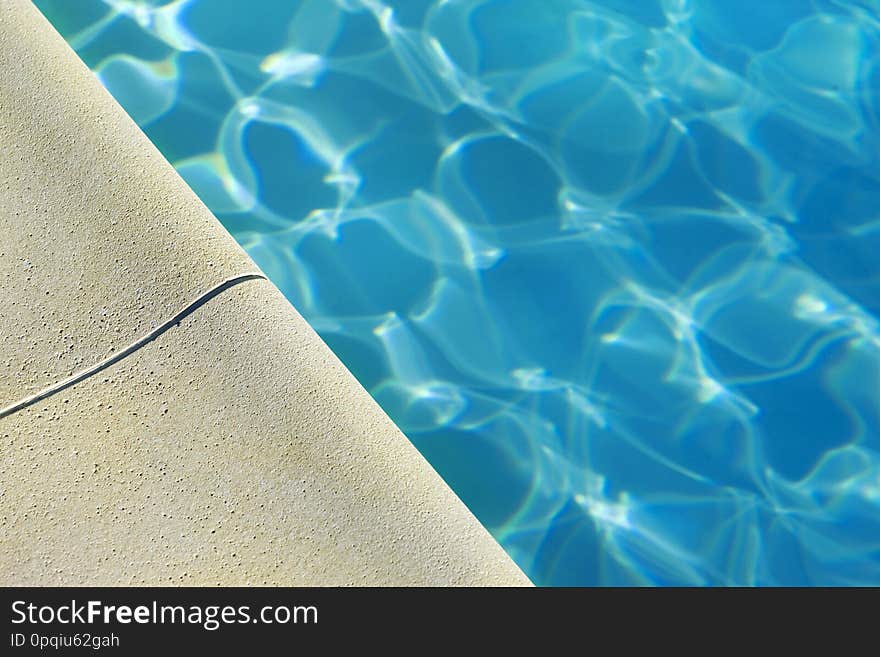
614,267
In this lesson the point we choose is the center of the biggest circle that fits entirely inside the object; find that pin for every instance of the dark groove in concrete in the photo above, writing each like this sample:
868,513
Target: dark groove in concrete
134,346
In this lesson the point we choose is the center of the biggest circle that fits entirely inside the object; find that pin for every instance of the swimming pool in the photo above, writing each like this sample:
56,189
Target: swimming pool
614,271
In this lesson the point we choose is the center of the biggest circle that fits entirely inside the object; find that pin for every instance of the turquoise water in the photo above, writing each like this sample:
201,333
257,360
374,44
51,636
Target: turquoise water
613,267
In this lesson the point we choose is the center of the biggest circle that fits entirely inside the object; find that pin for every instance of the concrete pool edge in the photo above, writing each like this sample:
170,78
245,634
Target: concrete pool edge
231,448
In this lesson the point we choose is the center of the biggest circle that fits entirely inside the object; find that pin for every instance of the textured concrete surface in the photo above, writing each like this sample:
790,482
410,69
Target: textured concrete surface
233,448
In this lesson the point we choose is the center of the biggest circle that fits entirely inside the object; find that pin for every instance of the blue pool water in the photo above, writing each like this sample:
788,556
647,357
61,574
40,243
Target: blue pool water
612,266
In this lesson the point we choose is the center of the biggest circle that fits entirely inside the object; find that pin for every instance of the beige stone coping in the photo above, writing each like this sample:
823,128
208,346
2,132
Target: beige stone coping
166,417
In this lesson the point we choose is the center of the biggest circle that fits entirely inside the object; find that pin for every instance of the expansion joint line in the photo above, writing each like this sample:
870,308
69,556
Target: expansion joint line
117,356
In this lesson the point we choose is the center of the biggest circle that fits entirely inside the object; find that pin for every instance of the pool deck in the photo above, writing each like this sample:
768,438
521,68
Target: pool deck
166,416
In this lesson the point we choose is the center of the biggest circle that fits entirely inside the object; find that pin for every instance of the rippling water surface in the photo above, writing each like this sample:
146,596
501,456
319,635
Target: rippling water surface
613,266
